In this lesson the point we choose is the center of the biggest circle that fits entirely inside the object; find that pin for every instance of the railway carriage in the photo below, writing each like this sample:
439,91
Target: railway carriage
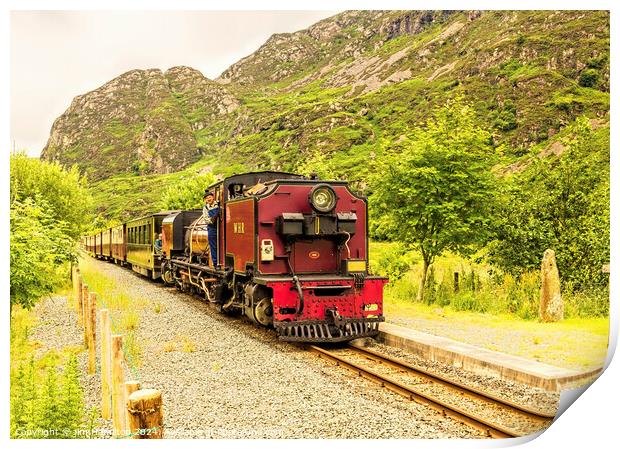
140,238
98,250
106,244
119,244
87,245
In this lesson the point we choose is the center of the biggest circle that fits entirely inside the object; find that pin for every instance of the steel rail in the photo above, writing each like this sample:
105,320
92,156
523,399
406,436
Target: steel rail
492,429
531,413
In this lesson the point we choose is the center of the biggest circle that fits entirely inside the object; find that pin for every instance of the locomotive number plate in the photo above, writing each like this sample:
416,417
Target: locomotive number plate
239,228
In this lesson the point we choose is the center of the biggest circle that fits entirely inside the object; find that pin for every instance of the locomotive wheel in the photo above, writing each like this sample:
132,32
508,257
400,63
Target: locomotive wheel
167,276
263,311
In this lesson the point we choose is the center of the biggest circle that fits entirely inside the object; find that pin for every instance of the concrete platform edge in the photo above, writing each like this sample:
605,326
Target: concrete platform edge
482,361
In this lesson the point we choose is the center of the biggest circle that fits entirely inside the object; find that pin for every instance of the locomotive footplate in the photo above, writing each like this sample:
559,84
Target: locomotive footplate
344,329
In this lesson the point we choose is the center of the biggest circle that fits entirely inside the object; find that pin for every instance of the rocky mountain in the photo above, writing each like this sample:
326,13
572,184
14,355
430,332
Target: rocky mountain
142,121
345,88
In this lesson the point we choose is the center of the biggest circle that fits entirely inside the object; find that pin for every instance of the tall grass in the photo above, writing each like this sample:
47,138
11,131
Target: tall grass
124,308
46,397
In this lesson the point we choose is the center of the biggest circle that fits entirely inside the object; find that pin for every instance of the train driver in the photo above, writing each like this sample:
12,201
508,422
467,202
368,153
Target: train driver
158,244
210,213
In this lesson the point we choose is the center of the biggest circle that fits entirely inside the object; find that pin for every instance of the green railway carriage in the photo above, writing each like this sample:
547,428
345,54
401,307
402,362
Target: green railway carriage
141,236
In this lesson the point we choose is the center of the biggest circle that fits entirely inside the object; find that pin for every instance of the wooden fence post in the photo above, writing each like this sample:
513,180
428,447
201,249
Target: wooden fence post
106,358
456,281
78,297
85,312
130,387
145,414
92,333
118,392
74,283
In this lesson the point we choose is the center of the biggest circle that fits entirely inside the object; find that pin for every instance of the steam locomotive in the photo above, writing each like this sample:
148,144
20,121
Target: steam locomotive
292,254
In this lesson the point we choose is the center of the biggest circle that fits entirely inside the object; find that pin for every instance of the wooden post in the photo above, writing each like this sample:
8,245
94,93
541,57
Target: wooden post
130,387
92,333
85,312
146,418
106,359
78,298
456,281
118,392
74,283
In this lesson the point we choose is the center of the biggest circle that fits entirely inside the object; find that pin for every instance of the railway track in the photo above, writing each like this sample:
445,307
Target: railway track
495,416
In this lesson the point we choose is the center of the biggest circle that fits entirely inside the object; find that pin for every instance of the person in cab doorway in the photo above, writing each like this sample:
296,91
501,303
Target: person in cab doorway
210,214
158,244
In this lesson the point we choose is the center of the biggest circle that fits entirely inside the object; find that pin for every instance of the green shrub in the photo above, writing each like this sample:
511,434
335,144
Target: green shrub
394,262
588,78
585,303
521,296
188,193
44,405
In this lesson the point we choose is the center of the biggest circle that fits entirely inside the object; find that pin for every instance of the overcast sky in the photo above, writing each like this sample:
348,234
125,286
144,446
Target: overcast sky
56,55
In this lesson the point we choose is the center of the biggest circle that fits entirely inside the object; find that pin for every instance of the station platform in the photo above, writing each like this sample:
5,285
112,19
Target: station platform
483,361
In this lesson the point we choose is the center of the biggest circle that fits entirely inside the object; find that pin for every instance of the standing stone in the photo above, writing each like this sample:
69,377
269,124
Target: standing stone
551,304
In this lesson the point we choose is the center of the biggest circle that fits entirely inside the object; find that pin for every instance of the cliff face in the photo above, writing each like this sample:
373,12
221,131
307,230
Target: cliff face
143,121
347,87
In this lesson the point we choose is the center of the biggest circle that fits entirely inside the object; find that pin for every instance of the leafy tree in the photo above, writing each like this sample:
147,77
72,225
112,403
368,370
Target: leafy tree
49,211
560,202
188,194
64,191
435,190
39,246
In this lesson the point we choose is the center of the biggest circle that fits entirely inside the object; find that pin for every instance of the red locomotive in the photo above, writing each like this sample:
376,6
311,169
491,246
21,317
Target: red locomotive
292,253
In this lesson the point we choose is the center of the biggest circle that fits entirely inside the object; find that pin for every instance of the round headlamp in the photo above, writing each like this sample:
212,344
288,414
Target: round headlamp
323,198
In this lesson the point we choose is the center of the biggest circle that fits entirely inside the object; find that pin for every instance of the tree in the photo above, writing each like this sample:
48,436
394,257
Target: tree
187,194
49,211
434,191
559,202
64,191
40,245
